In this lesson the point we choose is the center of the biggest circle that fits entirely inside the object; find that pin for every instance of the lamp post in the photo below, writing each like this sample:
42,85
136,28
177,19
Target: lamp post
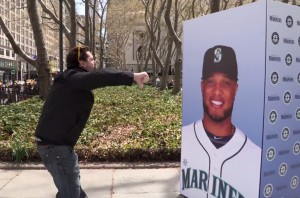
105,56
97,56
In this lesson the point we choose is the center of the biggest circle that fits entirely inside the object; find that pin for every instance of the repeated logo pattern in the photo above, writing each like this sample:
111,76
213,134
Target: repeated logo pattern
283,119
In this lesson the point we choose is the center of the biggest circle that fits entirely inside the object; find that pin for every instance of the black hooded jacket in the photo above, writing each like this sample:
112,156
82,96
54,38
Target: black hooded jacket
70,102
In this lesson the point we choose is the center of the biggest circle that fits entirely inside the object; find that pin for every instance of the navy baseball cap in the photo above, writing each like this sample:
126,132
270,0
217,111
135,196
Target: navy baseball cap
220,59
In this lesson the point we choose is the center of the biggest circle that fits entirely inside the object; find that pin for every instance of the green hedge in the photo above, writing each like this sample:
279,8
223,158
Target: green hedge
126,124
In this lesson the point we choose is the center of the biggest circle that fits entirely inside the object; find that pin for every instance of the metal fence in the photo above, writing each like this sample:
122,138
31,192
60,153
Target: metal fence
16,93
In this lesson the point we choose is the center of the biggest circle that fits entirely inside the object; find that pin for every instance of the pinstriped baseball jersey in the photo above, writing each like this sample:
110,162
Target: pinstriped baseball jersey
232,171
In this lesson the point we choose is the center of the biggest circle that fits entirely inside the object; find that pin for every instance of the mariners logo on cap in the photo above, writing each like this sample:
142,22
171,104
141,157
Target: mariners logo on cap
218,55
220,59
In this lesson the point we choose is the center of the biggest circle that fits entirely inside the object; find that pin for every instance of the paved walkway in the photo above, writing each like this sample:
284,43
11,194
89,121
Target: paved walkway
102,181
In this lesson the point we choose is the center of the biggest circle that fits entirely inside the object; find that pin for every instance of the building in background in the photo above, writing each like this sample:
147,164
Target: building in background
15,16
126,33
129,38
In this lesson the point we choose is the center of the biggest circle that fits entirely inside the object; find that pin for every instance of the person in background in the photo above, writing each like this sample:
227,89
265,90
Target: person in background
65,113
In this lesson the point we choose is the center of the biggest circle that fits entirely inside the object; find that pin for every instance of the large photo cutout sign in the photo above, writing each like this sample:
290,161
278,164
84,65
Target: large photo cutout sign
218,151
240,134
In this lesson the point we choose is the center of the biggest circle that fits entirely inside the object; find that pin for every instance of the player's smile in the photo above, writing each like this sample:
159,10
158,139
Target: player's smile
216,103
216,108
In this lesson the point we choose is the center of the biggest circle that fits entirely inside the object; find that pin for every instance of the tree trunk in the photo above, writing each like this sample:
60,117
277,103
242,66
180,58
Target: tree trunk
87,23
214,6
178,44
72,40
44,78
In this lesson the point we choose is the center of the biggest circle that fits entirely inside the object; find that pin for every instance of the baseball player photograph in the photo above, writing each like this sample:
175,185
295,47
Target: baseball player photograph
217,158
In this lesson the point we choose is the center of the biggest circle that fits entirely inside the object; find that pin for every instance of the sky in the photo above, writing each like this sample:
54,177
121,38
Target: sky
79,7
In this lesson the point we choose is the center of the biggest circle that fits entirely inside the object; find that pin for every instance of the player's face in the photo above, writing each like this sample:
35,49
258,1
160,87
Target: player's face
89,64
218,93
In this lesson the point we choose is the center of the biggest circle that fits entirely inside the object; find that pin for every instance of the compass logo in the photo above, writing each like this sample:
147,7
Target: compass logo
287,97
185,162
275,78
294,182
285,133
275,38
271,153
282,169
296,148
289,21
298,114
268,190
288,59
273,117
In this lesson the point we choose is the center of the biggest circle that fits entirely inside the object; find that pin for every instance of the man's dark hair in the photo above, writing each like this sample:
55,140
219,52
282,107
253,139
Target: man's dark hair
76,54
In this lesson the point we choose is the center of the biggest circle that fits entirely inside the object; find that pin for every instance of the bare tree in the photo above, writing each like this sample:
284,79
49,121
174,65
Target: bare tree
178,44
101,36
41,62
14,45
87,23
54,16
73,22
161,48
121,21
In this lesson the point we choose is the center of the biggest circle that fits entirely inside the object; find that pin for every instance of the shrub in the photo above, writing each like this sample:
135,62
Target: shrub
126,124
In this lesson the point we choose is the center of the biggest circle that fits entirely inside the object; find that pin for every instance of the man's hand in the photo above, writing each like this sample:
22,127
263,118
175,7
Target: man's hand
141,78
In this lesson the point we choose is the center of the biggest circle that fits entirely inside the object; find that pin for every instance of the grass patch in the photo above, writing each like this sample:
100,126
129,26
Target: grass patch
126,124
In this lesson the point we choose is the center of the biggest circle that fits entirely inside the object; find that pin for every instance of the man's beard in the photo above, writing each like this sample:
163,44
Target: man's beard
216,118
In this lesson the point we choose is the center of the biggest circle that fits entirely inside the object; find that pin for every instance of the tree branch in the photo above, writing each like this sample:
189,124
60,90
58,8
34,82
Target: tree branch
14,45
55,19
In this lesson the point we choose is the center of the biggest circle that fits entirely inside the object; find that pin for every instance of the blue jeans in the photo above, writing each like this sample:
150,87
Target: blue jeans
62,163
